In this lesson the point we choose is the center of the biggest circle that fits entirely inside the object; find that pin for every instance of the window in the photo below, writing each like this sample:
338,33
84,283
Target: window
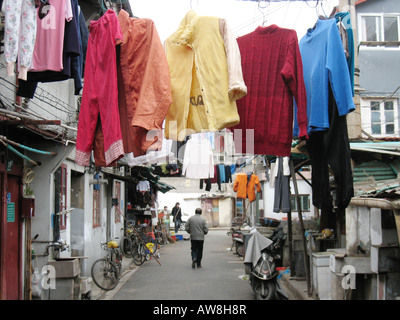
371,28
304,202
380,27
96,206
383,117
60,185
239,207
117,195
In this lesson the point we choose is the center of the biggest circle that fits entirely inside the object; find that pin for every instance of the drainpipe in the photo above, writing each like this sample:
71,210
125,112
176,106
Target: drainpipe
353,118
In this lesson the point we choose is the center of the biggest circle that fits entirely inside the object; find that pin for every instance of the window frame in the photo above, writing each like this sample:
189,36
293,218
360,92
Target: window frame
61,194
381,34
117,195
293,200
368,123
96,213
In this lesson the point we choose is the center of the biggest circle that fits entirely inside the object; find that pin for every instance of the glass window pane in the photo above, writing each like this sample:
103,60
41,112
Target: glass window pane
389,116
372,28
389,128
293,203
375,105
305,203
391,29
376,129
375,117
388,105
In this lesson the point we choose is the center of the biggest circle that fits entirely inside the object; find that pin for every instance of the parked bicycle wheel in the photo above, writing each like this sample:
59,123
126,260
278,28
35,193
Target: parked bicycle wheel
126,246
105,274
138,253
116,257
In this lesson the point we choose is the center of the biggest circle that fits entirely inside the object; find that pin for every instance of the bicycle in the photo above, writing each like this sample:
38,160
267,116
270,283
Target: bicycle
106,271
143,246
126,243
160,234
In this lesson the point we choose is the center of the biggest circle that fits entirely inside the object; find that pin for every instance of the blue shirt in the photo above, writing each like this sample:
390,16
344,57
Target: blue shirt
324,62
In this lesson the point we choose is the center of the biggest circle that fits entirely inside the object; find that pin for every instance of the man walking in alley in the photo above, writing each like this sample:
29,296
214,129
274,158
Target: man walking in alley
177,214
197,227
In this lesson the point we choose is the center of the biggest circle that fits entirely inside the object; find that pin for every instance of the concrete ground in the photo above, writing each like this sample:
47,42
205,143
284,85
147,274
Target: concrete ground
221,278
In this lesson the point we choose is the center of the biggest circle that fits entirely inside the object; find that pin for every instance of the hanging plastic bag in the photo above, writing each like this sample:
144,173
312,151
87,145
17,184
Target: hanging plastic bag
36,282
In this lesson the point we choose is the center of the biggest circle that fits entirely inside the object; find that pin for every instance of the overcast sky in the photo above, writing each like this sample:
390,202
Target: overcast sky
243,16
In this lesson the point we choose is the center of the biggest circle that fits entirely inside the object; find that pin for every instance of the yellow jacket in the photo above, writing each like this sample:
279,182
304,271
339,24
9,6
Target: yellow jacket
200,54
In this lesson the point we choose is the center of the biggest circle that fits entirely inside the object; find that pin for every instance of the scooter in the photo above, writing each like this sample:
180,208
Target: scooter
238,238
238,242
263,275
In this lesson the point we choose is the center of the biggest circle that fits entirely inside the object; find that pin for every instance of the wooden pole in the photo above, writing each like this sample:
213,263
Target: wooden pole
303,239
290,238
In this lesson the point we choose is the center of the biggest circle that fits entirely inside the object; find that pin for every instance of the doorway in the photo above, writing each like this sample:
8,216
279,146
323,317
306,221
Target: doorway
11,239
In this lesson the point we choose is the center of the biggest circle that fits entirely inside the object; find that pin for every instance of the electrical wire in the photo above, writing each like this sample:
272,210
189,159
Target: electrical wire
256,19
28,176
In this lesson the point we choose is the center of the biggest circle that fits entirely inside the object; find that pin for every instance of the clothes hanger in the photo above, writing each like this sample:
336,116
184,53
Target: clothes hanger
261,9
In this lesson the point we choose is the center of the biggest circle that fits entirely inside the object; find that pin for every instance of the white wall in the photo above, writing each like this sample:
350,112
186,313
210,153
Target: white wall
188,201
268,200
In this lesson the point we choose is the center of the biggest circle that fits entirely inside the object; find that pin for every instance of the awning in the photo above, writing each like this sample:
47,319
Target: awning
138,173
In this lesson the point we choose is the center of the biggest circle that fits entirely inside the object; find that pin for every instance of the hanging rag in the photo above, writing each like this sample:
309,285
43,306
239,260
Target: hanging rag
282,185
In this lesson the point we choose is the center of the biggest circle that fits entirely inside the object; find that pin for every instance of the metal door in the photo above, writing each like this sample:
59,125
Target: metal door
10,246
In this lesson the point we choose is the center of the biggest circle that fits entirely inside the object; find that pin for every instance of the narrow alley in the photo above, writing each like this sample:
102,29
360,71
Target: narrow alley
220,278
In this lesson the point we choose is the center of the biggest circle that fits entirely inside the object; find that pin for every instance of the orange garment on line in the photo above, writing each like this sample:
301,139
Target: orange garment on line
253,184
145,71
246,189
144,88
240,185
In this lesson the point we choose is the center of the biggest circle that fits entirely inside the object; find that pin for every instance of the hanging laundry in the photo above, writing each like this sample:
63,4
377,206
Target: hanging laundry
240,185
70,60
48,52
152,157
146,81
252,186
84,31
19,35
228,174
273,71
245,187
144,92
143,186
221,169
207,183
282,187
330,150
206,77
198,161
321,49
344,19
100,93
329,100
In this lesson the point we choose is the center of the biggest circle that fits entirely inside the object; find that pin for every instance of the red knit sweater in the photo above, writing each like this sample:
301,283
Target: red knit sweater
273,73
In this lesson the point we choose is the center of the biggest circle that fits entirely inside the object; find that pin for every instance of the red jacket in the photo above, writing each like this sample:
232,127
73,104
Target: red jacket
273,73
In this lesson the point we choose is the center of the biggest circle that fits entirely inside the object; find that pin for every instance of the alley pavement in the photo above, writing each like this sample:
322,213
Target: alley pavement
222,276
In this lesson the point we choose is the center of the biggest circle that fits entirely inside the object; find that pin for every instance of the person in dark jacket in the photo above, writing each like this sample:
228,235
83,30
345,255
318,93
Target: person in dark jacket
197,227
177,214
